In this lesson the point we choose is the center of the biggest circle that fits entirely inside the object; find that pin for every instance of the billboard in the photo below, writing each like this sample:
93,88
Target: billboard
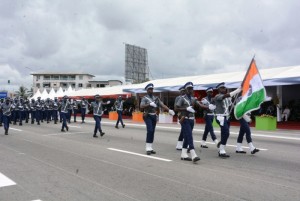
3,95
136,64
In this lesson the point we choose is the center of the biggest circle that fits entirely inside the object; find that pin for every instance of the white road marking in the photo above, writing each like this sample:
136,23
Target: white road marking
5,181
15,129
36,200
229,145
137,154
65,133
74,126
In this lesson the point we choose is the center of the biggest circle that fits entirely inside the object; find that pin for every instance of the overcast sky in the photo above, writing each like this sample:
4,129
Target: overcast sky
183,37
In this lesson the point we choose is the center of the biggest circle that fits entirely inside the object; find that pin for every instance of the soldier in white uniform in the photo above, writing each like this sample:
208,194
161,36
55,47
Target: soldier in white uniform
223,102
150,104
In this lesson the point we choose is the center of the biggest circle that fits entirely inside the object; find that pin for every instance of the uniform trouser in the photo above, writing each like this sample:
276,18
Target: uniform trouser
26,114
60,119
97,124
1,117
187,128
21,114
180,137
15,115
119,117
209,128
83,111
6,120
33,115
69,116
244,129
75,113
150,121
38,115
49,113
54,114
64,120
224,130
44,115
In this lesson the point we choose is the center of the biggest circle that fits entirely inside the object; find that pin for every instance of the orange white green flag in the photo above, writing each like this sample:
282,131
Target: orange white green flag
254,92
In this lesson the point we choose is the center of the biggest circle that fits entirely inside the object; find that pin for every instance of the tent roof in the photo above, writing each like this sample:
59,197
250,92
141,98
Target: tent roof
271,77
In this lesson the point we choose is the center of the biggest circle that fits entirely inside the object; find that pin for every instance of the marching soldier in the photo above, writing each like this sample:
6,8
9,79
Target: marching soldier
1,113
20,106
180,138
119,108
55,106
185,105
83,105
223,102
48,107
26,110
6,109
150,104
38,113
245,129
70,109
43,111
75,109
209,118
97,107
32,110
15,111
64,107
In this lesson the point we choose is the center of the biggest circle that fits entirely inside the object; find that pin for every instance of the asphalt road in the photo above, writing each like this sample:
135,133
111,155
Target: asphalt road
42,163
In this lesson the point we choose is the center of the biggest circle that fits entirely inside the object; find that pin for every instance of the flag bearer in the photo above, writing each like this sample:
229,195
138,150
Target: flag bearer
150,104
223,101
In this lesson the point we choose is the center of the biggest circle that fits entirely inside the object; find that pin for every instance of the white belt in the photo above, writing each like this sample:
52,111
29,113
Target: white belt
152,113
189,117
223,115
210,114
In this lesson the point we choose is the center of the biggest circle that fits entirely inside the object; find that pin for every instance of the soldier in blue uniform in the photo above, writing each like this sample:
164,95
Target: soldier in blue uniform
245,129
20,106
180,138
26,110
6,109
32,110
119,108
15,111
38,112
1,113
75,109
70,109
83,106
209,116
64,109
223,103
97,107
150,104
185,105
55,106
48,108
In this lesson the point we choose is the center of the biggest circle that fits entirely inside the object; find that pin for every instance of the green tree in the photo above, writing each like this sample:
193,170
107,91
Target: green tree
23,92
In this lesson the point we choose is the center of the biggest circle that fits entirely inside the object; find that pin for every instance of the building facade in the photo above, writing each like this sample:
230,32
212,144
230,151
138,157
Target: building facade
64,80
101,84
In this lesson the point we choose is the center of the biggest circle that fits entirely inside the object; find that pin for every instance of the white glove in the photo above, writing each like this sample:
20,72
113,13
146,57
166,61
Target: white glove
190,109
247,118
237,91
152,104
171,112
211,107
108,102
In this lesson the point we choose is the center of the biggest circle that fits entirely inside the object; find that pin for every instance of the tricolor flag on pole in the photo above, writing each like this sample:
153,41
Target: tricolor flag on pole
254,92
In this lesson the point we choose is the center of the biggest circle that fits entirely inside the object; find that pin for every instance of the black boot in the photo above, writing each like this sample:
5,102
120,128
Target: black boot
6,131
102,133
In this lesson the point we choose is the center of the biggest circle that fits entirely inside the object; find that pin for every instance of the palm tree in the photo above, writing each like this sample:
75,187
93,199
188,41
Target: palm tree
23,92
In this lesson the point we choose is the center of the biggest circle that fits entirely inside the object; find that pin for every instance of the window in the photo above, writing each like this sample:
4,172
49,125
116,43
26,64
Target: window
38,85
102,85
81,77
46,85
97,85
88,85
46,77
80,85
